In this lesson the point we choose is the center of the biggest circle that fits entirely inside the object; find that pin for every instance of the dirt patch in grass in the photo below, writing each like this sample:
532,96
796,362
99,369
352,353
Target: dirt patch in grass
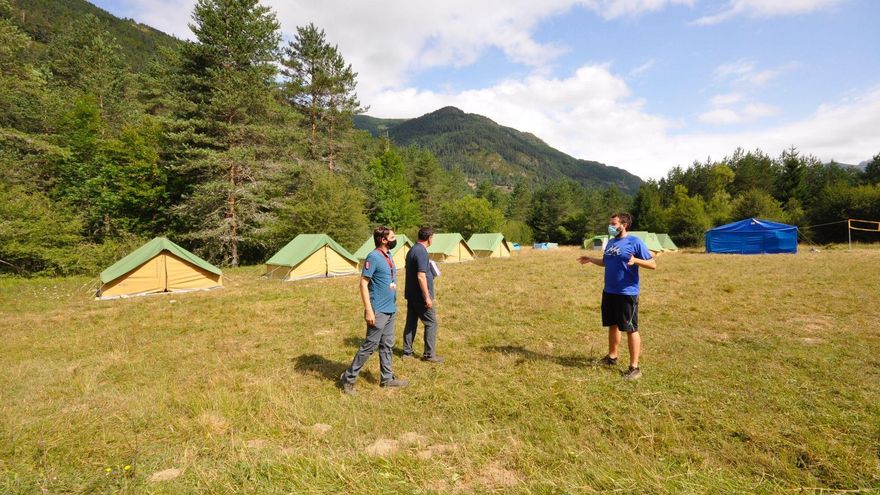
320,429
165,475
383,447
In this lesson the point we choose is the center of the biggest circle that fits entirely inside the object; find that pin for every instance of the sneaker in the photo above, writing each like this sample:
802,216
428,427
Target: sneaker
433,359
395,383
608,361
407,356
632,374
347,388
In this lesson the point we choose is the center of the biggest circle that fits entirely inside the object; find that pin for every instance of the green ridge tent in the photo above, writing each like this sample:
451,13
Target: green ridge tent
398,253
490,246
450,248
311,256
666,242
650,240
596,243
158,266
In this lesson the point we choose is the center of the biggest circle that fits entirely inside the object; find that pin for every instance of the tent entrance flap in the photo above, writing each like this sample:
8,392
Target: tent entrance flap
145,279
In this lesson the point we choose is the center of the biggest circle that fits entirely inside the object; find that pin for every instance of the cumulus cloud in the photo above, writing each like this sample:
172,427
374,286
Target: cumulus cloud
762,9
593,115
590,113
748,113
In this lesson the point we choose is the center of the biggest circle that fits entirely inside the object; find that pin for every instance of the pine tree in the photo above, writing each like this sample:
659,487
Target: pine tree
321,85
226,101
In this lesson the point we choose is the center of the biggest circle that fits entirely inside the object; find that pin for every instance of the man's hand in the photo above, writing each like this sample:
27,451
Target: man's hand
370,317
429,304
585,260
632,260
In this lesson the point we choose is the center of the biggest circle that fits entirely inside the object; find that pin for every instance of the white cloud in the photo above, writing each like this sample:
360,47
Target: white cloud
590,114
645,67
593,115
725,115
762,9
385,42
746,72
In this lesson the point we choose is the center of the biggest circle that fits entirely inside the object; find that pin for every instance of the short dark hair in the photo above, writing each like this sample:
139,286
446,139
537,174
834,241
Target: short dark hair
379,234
425,233
625,218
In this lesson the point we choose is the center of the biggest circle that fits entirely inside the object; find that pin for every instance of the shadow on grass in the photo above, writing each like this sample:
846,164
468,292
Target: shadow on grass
525,354
315,365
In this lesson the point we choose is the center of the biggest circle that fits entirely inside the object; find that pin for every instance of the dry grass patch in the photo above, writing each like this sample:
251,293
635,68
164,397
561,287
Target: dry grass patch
761,375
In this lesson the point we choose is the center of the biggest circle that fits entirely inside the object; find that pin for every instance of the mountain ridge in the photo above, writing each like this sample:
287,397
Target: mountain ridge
485,149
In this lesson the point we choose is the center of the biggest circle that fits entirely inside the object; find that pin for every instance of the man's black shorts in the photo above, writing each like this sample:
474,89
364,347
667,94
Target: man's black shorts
620,310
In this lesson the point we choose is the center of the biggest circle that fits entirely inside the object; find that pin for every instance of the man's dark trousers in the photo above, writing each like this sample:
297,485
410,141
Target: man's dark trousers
415,311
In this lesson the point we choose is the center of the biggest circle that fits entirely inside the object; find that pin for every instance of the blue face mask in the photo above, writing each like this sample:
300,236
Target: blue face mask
612,231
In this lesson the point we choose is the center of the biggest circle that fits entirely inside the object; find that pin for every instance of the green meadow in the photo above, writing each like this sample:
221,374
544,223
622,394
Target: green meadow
761,375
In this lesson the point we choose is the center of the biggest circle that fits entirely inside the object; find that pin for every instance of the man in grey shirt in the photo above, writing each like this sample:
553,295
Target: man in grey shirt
419,295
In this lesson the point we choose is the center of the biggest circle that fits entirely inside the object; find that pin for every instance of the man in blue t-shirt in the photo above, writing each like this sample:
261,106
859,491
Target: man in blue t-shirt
419,294
379,293
623,256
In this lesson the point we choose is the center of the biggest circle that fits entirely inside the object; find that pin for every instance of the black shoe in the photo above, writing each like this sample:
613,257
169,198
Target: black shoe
608,361
632,374
347,388
395,383
433,359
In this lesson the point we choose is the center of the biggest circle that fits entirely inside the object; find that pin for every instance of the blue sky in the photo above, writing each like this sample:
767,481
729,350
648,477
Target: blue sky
640,84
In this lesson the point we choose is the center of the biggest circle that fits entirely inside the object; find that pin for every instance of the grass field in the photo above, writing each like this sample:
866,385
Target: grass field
761,375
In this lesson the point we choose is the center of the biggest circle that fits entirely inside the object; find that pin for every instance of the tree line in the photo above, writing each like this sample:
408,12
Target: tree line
234,143
792,188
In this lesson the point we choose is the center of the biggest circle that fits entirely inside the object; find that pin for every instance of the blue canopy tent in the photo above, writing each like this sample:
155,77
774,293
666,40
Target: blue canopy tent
752,236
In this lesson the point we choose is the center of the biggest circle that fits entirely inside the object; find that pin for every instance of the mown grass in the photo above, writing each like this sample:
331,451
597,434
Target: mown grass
761,375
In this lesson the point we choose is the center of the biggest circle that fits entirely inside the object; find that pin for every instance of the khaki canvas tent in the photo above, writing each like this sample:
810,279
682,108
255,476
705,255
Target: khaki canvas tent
158,266
666,242
450,248
650,240
311,256
490,246
398,254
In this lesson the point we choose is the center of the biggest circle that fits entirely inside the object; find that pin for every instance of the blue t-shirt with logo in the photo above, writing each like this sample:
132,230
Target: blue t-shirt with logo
380,269
621,278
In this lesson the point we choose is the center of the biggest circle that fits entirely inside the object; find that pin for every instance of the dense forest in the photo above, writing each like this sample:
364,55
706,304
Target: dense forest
234,143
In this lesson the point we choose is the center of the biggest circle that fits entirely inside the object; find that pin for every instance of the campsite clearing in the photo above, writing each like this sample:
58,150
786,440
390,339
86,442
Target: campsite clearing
761,375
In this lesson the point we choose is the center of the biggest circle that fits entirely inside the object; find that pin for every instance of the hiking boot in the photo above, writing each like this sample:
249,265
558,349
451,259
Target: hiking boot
632,374
395,383
347,388
608,361
432,359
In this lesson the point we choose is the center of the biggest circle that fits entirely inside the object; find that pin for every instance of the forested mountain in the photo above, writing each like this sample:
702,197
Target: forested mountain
485,150
45,19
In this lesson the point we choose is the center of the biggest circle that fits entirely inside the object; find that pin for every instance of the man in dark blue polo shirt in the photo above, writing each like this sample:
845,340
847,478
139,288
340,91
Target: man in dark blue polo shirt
379,293
623,256
420,298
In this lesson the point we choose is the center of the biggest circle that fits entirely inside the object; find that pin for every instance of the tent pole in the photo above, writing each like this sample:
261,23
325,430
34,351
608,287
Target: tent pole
849,232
